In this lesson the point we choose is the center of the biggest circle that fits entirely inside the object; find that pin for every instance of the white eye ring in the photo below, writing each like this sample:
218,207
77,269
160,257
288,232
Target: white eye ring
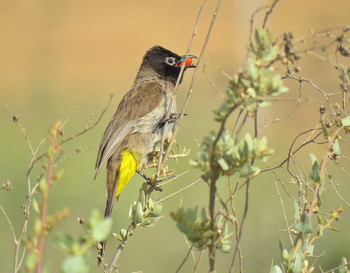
170,61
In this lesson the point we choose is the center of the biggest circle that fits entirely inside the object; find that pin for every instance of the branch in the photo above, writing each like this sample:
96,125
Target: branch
114,260
194,74
9,222
18,259
53,149
268,13
322,169
185,259
177,192
314,86
162,158
245,212
89,127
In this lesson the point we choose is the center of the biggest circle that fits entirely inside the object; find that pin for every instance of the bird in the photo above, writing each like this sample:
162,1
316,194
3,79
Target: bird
144,114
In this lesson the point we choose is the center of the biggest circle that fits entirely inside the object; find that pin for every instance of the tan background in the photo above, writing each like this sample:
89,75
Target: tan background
62,60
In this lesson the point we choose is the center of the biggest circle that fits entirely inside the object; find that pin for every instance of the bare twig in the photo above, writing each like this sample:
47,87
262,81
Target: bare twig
235,222
245,211
336,268
23,130
286,116
19,257
196,266
190,246
54,148
326,95
89,127
179,191
114,260
284,213
194,74
239,237
268,12
322,169
185,259
291,153
336,191
173,178
212,83
251,28
162,158
9,222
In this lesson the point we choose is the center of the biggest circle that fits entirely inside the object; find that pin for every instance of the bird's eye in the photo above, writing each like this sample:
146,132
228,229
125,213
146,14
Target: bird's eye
170,60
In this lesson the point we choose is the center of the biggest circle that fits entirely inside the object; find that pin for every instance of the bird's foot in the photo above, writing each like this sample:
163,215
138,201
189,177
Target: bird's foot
173,117
154,185
151,182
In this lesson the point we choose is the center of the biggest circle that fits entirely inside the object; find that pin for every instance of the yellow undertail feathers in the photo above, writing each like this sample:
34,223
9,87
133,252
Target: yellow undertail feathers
128,167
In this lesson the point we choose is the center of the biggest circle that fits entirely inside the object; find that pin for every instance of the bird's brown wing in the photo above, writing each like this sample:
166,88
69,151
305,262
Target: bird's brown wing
137,103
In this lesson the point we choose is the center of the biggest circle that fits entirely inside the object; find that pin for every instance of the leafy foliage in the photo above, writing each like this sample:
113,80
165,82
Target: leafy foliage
232,154
78,260
196,227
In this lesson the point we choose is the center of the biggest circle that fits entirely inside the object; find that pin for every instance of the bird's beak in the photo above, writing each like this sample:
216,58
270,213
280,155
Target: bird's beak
188,62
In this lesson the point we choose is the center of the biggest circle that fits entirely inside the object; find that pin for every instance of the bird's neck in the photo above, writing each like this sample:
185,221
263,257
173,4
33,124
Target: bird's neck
149,74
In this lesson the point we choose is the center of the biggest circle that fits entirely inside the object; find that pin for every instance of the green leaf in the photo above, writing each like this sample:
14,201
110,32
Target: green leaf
344,268
31,261
42,184
247,170
75,264
156,210
313,158
101,231
251,92
225,248
282,89
150,221
271,54
298,262
118,236
296,211
193,163
36,206
276,269
37,225
65,240
253,70
223,164
324,130
346,121
137,213
204,215
304,226
258,36
284,252
321,219
315,173
336,147
95,218
142,197
310,250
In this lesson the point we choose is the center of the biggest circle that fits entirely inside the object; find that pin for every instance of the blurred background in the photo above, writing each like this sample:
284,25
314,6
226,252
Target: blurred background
63,59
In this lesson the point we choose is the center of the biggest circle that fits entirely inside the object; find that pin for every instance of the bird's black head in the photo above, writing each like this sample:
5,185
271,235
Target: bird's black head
166,63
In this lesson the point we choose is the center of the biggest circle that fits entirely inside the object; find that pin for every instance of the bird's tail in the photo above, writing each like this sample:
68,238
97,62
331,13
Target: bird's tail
111,190
118,175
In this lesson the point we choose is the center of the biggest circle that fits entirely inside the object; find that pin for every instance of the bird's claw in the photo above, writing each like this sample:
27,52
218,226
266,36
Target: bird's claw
172,117
154,185
151,182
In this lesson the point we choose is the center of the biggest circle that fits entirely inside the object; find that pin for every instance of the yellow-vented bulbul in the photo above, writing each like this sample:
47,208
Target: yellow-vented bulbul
136,128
